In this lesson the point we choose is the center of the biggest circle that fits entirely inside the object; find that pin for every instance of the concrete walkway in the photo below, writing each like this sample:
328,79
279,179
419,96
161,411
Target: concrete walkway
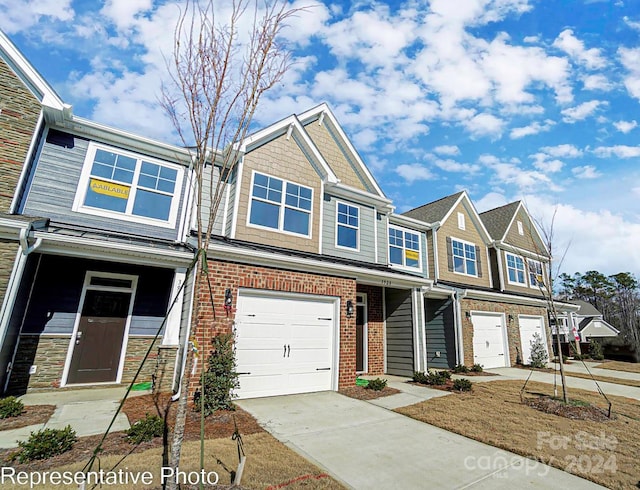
366,446
579,367
88,411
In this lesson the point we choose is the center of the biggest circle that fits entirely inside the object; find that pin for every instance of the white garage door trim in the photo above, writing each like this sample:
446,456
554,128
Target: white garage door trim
330,305
525,359
505,343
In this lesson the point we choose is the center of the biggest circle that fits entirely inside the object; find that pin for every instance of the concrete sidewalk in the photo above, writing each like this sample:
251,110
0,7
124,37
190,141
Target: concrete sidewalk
367,446
579,367
88,411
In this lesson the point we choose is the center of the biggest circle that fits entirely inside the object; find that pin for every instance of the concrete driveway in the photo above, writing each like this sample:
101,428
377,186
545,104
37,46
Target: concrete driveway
367,446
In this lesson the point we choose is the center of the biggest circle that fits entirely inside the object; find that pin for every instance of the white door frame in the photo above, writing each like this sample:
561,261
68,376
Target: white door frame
505,339
125,337
361,300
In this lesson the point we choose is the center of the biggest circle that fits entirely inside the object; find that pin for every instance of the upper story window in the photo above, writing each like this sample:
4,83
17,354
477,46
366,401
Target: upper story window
348,225
461,222
280,205
464,257
404,247
536,276
128,186
520,228
515,269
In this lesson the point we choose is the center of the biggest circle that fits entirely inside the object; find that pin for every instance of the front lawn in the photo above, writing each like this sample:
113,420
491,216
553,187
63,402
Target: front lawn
604,452
630,367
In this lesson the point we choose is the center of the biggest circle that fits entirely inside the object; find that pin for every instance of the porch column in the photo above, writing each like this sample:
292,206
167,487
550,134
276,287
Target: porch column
172,327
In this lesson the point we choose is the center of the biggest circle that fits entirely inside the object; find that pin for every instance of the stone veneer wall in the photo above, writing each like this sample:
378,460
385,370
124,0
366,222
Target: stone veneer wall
513,328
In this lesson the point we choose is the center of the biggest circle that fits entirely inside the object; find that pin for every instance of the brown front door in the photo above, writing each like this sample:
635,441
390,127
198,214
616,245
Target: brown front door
98,341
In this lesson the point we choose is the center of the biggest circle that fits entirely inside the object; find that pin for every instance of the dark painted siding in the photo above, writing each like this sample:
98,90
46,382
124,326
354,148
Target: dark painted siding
399,332
495,273
440,333
56,295
55,181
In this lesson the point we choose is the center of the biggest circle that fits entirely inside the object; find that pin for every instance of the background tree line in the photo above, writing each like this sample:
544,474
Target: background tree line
616,296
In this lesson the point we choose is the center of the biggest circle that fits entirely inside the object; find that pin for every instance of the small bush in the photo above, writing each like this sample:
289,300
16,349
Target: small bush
420,377
433,378
539,354
10,407
460,368
462,384
377,384
595,350
477,368
220,378
580,357
145,429
45,444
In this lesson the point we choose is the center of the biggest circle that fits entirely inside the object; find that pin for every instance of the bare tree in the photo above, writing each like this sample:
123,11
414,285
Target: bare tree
226,56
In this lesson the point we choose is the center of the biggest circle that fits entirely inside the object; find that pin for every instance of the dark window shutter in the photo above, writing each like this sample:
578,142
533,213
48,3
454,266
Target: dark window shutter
449,255
478,261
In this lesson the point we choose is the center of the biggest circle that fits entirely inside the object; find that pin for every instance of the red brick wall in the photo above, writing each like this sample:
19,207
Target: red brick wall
375,329
513,329
231,275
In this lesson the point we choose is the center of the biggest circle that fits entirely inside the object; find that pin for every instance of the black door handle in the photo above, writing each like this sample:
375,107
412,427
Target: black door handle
288,350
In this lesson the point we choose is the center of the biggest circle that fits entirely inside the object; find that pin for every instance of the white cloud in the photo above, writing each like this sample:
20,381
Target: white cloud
630,59
586,172
590,58
562,151
625,126
449,150
123,13
310,20
620,151
631,23
414,171
582,111
541,162
596,82
452,166
484,125
20,15
533,128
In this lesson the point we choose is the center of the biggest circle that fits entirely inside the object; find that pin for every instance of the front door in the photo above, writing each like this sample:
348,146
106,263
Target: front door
98,341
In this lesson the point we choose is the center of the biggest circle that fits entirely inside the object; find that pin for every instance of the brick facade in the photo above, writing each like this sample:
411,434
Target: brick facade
232,275
375,329
513,328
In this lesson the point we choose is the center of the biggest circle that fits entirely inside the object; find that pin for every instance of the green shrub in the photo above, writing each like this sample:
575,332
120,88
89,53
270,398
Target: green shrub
10,407
460,368
377,384
462,384
595,350
46,443
220,378
539,354
145,429
477,368
420,377
434,378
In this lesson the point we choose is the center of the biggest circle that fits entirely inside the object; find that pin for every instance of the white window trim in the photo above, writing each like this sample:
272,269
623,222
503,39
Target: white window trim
83,185
399,266
535,286
342,247
525,270
461,221
465,259
280,228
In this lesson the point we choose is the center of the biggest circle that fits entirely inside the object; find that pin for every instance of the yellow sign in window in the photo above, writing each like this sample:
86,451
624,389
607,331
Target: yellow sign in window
411,255
109,188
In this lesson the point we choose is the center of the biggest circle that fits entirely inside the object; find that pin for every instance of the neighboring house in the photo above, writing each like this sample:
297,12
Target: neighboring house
325,281
587,322
474,314
99,267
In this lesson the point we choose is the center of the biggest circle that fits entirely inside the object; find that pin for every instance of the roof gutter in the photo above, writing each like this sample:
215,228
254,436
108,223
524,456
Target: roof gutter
520,251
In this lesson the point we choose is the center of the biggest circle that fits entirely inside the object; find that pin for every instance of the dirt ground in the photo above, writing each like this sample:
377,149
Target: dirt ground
630,367
32,414
362,393
604,452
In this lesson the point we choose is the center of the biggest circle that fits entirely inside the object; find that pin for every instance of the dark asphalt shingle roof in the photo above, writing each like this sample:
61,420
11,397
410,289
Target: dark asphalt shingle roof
497,220
434,211
586,308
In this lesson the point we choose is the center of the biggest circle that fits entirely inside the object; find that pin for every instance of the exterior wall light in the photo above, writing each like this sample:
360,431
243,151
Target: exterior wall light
349,308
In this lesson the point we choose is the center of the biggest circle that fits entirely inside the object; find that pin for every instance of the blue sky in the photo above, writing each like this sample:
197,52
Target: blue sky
510,99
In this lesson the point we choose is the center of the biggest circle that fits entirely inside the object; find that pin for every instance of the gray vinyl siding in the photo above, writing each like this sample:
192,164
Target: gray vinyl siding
440,333
399,332
366,231
383,238
53,189
58,288
209,175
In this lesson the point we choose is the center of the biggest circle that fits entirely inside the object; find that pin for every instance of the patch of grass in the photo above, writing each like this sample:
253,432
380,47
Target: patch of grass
524,430
629,367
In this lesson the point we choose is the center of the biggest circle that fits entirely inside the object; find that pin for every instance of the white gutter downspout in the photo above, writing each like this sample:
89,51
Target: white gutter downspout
458,296
187,343
434,237
500,271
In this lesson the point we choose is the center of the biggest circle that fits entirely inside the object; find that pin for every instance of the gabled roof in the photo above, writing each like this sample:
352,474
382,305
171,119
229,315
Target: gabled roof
498,220
586,308
435,211
323,112
588,321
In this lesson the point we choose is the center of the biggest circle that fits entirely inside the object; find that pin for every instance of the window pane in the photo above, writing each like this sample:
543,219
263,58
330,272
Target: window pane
152,205
104,200
264,214
168,173
150,169
412,241
471,267
147,181
296,221
298,196
347,237
165,185
395,255
105,157
412,262
458,264
395,237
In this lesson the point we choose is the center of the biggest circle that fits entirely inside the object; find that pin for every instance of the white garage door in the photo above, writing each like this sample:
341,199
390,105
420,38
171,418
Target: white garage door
284,344
529,326
488,340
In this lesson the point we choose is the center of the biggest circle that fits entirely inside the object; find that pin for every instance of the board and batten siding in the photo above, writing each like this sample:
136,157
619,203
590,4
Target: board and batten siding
383,238
54,184
399,332
440,333
208,175
366,231
58,288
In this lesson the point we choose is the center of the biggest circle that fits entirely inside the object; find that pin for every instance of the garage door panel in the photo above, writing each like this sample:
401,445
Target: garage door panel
489,348
529,326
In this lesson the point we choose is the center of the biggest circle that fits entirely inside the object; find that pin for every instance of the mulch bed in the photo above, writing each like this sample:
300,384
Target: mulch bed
32,415
362,393
553,406
222,424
